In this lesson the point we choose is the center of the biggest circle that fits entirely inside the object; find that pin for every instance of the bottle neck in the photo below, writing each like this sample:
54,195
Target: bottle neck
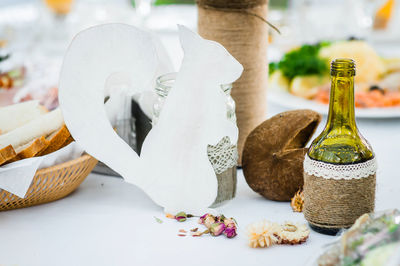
341,103
340,142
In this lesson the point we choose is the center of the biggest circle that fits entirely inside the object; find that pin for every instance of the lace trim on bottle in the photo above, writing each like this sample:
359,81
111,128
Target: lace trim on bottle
339,171
222,156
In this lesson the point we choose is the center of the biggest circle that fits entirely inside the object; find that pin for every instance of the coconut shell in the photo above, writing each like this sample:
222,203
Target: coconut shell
274,151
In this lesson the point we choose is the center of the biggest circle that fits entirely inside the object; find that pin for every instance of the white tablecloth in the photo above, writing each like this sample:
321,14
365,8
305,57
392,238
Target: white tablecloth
109,222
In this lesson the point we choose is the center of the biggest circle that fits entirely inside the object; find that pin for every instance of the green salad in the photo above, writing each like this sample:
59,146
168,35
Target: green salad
302,62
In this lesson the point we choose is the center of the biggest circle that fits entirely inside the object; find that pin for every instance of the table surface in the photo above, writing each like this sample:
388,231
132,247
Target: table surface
109,222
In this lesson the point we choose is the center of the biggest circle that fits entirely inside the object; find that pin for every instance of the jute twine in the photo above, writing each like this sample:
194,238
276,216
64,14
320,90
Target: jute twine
335,204
239,25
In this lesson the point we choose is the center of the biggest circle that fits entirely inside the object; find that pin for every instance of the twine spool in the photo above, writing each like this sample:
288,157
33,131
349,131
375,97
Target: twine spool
240,26
336,204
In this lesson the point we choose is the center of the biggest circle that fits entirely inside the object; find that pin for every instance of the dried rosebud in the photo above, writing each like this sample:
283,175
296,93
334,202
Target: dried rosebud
220,218
207,220
230,222
210,220
230,231
217,228
202,218
181,216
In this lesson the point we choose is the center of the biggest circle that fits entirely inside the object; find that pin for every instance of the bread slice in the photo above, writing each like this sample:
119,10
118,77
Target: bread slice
31,149
7,154
16,115
56,140
44,125
68,141
28,150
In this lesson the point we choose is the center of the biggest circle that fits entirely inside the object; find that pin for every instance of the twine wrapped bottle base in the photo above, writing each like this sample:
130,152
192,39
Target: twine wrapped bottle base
338,196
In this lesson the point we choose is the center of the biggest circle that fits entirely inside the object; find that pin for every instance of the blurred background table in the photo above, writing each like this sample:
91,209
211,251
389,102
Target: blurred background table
109,222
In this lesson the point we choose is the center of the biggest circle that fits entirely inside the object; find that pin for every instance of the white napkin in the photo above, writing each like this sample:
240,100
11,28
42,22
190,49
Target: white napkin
17,177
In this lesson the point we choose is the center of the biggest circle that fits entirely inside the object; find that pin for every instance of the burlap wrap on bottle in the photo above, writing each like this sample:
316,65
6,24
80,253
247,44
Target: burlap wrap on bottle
336,195
223,158
237,26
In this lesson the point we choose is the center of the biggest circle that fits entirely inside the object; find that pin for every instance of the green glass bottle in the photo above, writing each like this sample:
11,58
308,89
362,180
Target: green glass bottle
340,143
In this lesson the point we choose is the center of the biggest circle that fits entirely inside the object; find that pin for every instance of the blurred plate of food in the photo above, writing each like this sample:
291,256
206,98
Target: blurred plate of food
301,78
33,79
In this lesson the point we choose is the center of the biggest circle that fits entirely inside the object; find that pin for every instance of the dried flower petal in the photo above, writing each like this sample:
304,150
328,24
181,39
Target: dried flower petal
181,235
289,233
201,233
194,229
182,231
297,201
261,234
170,216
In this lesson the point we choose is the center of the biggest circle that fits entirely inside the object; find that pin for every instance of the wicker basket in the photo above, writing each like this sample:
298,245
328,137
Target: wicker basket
51,183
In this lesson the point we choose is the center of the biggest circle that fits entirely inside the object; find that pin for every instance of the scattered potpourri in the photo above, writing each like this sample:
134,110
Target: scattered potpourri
265,234
297,201
219,225
216,225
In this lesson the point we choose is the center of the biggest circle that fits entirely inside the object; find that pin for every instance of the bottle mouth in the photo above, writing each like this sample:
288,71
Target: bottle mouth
165,82
343,67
